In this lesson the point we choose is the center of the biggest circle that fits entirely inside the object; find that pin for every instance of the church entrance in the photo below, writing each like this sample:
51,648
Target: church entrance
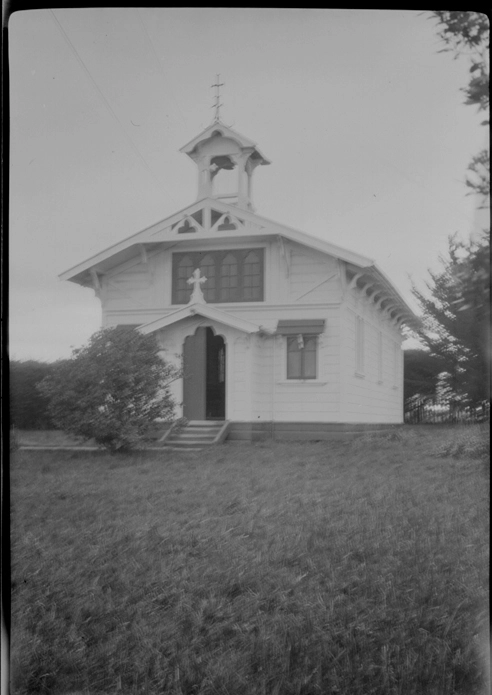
204,376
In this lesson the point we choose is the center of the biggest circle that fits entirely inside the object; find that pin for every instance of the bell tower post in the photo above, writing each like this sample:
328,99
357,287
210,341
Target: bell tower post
225,161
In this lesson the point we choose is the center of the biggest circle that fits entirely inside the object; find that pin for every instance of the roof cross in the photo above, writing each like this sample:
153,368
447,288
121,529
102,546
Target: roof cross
217,104
196,280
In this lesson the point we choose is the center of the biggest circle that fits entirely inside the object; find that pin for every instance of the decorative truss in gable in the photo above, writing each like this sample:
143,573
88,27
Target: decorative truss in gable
209,219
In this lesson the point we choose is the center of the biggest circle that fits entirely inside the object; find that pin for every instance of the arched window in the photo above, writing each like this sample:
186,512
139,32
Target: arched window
207,269
251,277
229,279
232,276
184,272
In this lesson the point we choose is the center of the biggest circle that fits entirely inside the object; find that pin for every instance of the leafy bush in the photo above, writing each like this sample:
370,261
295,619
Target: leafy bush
111,390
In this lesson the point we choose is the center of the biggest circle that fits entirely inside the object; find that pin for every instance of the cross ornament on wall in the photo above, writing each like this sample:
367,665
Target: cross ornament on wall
196,280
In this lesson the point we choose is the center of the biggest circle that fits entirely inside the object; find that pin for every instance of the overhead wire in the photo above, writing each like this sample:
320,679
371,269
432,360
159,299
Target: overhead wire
108,105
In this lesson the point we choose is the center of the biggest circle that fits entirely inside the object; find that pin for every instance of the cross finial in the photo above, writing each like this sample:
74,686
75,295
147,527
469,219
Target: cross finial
196,281
217,104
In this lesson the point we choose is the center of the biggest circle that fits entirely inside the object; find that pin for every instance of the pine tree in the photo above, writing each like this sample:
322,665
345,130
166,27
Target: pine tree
456,307
456,319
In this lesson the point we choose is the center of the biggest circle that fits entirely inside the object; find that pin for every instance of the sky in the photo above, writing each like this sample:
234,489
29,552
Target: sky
360,114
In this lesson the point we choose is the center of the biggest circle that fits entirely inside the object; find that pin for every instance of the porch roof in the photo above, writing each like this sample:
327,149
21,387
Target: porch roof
209,312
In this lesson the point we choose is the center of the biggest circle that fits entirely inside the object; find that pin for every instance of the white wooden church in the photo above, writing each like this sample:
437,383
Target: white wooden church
278,333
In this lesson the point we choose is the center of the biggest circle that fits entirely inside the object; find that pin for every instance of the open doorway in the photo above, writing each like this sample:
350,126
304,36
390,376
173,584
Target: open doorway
204,376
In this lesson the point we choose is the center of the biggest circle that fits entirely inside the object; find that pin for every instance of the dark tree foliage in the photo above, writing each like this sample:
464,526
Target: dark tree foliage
456,319
29,407
456,309
112,390
421,374
468,33
479,177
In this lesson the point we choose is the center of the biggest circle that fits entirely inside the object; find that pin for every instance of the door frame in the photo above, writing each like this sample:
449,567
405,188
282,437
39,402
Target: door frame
203,375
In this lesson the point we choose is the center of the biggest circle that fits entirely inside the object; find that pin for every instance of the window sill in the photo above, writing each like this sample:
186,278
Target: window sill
359,375
304,382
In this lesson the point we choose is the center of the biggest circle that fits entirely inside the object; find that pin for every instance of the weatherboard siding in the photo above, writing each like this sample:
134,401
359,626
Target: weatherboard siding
373,393
300,284
138,292
310,399
313,277
129,287
262,379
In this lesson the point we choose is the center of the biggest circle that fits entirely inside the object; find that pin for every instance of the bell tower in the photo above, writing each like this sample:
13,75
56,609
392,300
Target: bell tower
225,161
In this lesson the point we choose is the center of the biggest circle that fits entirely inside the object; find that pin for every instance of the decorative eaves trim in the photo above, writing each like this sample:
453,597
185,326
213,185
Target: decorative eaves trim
385,293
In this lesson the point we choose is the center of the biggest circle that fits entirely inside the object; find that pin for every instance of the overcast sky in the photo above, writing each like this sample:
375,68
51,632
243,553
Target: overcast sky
362,118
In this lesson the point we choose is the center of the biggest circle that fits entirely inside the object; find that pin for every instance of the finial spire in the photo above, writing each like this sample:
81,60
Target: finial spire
217,104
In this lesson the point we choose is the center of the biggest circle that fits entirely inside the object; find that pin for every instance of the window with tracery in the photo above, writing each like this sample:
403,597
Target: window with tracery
184,271
207,269
229,279
252,277
232,276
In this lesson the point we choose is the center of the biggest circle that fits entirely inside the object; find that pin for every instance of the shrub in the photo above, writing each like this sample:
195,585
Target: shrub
111,390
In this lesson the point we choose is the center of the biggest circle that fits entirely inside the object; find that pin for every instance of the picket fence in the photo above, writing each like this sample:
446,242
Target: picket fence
436,412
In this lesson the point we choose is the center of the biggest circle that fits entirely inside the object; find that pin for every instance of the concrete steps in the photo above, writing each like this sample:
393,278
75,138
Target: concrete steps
196,435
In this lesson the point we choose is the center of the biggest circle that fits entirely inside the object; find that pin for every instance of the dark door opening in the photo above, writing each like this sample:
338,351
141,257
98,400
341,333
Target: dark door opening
204,376
215,381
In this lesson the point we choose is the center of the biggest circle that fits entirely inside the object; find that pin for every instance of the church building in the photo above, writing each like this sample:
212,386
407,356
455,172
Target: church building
278,333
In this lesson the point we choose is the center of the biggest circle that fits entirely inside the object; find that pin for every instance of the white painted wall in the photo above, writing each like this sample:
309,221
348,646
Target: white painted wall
375,395
299,283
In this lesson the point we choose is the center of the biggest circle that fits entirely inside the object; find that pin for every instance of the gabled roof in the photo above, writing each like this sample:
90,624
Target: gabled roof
208,312
224,131
164,234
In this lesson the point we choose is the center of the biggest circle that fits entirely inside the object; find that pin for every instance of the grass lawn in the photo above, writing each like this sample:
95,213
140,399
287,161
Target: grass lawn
336,568
49,438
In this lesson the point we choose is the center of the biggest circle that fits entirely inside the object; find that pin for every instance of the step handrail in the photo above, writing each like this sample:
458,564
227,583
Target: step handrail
222,433
167,434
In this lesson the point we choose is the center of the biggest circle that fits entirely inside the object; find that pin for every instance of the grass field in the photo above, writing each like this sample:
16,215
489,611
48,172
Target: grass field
347,568
49,438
